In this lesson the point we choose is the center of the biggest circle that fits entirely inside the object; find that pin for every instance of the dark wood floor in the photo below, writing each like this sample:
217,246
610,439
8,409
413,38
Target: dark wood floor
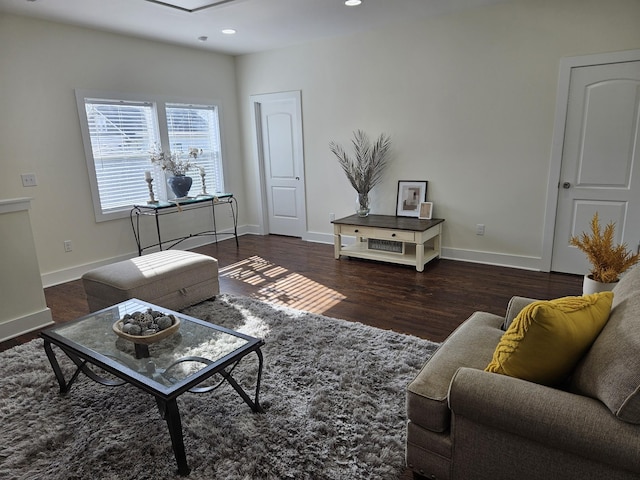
304,275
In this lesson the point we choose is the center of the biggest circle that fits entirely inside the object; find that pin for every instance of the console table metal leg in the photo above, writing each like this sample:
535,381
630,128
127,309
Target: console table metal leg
213,214
158,230
169,411
136,227
234,214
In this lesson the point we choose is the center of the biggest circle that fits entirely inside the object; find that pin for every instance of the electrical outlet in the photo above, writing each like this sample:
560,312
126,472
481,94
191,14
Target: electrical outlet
67,246
29,180
480,229
332,217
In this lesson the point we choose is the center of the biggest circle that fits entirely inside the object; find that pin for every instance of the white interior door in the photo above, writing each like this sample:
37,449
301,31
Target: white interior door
599,159
280,148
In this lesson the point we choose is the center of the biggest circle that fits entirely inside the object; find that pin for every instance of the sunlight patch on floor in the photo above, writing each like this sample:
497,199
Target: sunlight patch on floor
282,287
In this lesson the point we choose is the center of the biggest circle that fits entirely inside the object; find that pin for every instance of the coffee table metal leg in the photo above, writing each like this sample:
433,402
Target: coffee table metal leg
260,361
254,404
169,411
64,386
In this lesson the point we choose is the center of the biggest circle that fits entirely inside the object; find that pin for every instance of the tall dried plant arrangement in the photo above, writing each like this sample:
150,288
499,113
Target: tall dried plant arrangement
608,261
365,169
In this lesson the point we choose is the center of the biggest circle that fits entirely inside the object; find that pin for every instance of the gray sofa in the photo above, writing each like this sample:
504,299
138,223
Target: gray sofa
465,423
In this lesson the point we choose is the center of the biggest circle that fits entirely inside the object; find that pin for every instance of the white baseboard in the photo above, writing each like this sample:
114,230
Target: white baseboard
74,273
25,324
318,237
487,258
493,258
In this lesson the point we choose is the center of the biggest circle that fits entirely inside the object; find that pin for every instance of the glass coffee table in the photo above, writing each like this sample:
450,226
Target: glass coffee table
165,369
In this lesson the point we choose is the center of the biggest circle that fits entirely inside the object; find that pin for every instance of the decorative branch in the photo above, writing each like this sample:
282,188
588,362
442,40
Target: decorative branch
364,171
608,261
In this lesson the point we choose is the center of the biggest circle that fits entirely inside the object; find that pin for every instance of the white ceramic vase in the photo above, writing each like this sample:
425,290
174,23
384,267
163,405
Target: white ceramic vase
590,286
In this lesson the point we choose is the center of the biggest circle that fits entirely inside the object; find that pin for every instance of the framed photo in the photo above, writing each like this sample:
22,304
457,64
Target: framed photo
410,195
426,209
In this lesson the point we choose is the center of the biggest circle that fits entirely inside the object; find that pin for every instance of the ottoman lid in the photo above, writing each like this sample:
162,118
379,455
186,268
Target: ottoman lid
165,265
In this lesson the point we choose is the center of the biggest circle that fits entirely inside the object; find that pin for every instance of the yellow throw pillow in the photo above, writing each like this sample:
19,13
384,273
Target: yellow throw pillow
546,340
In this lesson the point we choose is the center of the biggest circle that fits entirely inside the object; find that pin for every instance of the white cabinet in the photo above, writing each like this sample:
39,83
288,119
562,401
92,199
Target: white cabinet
403,240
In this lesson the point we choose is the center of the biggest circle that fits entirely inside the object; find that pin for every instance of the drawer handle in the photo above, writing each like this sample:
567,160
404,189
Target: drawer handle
356,231
393,234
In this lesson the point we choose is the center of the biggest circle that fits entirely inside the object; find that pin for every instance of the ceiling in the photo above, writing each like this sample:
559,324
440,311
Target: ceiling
260,24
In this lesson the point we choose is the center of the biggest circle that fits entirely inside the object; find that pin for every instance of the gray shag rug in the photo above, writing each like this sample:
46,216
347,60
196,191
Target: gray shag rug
333,394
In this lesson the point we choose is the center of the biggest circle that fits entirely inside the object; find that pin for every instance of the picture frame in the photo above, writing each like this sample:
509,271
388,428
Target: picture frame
411,193
426,211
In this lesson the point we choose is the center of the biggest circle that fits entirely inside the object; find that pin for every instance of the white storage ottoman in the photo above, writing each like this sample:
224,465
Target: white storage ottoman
174,279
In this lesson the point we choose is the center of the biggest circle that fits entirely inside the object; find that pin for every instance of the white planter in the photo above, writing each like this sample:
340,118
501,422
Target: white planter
590,286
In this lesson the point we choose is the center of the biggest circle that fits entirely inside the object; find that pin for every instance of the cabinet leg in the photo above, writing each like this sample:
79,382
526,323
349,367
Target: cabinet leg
420,257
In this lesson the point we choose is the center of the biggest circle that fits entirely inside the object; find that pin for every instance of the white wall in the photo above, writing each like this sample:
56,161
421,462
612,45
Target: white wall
41,63
19,272
468,100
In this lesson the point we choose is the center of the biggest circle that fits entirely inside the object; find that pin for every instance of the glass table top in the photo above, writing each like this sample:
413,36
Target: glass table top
185,201
196,346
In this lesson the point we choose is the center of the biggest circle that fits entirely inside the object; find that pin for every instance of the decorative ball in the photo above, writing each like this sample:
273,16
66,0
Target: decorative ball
132,329
146,323
163,322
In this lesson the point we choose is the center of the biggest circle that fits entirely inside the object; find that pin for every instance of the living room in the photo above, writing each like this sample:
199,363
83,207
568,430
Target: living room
468,99
472,113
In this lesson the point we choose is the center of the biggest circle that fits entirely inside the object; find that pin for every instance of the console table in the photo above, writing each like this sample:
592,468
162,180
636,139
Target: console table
161,208
403,240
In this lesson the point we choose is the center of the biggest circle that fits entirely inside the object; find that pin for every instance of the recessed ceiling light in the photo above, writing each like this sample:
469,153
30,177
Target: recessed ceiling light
352,3
203,38
228,31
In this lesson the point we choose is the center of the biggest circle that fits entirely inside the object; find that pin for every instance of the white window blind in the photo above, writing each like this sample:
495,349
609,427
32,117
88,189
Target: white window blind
121,135
196,126
119,131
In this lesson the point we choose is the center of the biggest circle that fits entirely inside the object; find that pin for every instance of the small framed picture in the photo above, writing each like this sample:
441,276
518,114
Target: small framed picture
426,209
410,195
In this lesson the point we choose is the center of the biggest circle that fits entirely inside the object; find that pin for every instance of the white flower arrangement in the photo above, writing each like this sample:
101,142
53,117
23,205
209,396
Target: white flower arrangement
172,161
194,152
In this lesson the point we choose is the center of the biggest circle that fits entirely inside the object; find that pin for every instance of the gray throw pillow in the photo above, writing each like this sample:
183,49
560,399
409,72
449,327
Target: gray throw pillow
610,371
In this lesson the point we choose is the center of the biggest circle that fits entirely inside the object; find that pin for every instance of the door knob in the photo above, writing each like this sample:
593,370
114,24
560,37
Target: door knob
566,185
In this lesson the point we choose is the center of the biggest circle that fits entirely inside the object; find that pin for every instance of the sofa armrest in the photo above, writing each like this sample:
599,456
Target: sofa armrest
513,309
558,419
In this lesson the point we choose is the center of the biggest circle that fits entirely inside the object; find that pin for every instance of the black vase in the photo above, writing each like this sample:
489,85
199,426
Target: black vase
180,185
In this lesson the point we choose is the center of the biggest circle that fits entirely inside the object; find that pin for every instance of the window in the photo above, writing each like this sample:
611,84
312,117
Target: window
191,126
118,134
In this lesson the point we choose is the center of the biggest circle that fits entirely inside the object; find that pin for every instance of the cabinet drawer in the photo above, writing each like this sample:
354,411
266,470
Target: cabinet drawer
397,235
357,231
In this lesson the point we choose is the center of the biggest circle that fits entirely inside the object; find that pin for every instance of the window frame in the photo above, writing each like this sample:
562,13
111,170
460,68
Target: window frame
159,104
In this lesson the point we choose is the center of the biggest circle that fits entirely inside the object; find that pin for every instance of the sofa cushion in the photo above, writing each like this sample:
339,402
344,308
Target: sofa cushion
470,345
610,371
548,338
